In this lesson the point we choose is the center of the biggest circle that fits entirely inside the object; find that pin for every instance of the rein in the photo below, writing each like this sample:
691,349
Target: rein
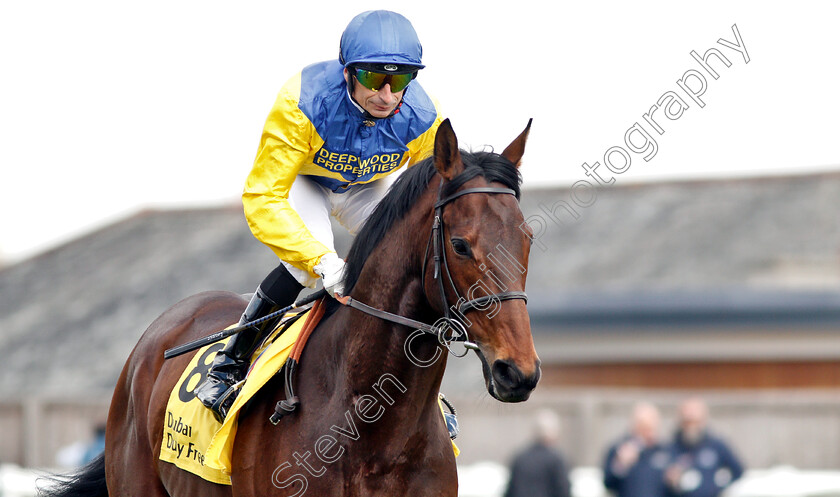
442,329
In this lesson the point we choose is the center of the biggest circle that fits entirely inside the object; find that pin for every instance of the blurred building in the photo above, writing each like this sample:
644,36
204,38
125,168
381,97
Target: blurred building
713,284
730,289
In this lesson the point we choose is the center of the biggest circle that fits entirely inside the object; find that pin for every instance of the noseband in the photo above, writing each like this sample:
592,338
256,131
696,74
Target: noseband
447,329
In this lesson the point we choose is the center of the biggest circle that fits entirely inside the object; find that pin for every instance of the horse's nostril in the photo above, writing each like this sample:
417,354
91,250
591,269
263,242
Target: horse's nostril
506,374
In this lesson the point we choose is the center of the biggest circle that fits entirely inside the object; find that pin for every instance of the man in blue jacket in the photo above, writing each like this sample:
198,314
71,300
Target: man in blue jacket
635,464
702,465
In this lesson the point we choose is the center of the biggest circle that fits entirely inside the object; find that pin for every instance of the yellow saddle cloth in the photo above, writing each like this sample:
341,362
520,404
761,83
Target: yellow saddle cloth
192,438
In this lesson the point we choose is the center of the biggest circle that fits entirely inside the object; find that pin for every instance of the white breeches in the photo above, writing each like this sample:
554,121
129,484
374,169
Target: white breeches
315,204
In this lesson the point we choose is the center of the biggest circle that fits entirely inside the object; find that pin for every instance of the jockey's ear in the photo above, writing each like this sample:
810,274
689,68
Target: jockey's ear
516,149
447,156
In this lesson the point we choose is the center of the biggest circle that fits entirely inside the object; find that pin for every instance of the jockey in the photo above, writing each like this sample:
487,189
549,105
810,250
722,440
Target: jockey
336,131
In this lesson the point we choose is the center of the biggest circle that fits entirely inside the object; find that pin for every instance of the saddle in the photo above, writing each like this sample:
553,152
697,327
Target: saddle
192,438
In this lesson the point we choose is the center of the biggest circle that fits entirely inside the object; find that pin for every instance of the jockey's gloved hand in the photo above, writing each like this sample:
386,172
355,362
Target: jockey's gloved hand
331,270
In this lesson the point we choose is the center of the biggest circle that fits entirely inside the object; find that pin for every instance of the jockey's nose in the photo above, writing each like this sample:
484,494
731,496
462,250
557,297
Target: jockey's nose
385,94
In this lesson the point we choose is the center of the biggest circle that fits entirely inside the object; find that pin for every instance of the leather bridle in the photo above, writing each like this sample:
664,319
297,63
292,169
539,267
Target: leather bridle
448,328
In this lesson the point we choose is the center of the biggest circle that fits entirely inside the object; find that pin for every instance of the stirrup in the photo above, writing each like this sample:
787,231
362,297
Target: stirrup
451,418
221,406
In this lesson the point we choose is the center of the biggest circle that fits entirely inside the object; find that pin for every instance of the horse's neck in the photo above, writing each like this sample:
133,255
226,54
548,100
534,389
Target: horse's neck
391,281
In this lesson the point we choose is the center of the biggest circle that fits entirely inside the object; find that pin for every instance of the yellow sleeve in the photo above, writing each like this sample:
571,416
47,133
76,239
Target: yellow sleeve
424,145
286,144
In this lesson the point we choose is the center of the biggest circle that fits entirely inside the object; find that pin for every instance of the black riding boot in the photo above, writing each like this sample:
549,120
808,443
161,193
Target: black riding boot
231,363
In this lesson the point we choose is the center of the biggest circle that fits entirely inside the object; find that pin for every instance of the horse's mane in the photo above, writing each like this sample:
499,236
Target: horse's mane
405,191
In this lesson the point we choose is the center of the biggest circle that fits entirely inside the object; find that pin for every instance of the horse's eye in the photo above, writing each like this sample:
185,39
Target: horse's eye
461,247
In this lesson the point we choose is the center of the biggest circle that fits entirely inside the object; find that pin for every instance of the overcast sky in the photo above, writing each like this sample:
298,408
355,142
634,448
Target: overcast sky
107,107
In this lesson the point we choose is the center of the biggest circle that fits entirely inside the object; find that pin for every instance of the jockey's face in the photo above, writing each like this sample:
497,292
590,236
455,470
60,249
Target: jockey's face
379,103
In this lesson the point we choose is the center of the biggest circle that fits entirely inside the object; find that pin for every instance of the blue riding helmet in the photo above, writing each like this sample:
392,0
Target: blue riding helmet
380,37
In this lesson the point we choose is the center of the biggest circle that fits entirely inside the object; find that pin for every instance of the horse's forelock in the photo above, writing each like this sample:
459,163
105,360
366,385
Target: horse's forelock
491,166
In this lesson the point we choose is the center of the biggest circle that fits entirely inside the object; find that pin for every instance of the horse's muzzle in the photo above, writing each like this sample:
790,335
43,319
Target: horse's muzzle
509,383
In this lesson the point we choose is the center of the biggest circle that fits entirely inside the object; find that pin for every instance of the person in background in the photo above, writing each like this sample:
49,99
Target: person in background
635,464
702,465
96,446
539,470
83,451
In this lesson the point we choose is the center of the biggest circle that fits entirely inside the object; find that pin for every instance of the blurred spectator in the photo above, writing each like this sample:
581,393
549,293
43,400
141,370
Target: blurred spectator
82,452
539,470
635,465
702,465
96,447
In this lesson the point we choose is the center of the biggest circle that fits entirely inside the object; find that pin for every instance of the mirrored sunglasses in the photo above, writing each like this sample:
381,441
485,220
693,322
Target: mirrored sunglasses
376,80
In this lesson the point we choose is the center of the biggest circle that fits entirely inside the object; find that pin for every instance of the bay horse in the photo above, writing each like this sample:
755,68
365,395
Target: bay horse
369,422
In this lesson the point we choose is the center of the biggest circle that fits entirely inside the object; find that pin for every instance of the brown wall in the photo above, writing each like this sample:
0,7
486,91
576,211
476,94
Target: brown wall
696,375
33,430
11,425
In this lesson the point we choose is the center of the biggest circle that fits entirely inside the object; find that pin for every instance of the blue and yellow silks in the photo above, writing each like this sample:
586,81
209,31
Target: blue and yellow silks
314,129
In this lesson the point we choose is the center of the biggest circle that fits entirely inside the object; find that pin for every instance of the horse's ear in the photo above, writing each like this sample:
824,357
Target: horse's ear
516,149
447,156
